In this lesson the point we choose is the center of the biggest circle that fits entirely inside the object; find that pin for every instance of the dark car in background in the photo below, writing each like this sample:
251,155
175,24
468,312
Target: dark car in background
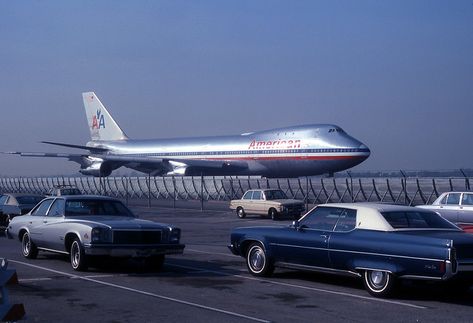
13,204
379,243
59,190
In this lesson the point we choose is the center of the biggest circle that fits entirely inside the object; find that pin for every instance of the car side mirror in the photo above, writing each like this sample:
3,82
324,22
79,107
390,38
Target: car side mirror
296,225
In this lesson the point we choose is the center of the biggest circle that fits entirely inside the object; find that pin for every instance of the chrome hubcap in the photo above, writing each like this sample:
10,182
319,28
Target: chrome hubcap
257,259
378,278
75,254
26,245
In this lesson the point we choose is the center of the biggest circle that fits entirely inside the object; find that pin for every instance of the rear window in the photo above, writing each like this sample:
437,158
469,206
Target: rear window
275,195
416,220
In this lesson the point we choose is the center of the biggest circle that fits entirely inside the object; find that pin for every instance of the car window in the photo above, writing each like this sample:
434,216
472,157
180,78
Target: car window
444,199
346,221
467,199
3,199
247,195
256,195
96,207
453,198
416,219
57,209
322,218
275,195
42,209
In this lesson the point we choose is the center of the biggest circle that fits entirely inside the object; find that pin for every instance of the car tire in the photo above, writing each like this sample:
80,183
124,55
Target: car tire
78,257
28,248
273,214
379,283
240,212
257,261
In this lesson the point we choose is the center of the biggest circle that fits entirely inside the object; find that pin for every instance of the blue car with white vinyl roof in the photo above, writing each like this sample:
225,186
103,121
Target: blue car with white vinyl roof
379,243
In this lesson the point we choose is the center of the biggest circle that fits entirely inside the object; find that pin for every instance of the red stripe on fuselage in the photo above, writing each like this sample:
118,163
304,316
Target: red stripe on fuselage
284,158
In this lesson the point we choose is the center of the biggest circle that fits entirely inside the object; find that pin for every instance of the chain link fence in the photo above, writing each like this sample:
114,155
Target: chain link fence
398,190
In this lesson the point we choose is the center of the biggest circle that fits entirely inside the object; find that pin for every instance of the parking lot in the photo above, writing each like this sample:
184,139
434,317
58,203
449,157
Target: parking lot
209,284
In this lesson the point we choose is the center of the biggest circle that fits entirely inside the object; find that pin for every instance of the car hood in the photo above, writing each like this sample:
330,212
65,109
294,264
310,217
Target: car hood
117,222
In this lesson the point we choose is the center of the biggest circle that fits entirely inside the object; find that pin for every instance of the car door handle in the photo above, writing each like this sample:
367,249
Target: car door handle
324,236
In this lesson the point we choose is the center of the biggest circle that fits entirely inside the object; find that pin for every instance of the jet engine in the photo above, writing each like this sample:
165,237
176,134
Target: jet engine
97,169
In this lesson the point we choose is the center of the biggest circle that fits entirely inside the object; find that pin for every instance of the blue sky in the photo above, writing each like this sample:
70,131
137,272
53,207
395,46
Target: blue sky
397,75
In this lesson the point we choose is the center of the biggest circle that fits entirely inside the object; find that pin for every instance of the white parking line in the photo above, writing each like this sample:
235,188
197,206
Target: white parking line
27,280
212,253
175,300
97,276
380,300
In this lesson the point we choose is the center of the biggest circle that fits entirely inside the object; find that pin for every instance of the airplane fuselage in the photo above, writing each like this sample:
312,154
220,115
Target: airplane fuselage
285,152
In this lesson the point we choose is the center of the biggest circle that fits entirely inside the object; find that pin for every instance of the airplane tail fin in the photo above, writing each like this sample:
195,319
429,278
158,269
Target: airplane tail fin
101,124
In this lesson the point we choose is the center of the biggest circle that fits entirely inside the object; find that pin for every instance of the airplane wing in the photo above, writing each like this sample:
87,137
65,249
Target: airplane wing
90,148
167,166
102,164
72,157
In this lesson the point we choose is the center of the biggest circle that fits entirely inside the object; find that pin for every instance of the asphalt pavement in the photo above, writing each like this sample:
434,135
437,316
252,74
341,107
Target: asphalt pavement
209,284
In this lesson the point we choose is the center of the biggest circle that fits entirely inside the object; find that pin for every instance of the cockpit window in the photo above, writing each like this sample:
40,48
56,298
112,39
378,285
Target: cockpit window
339,130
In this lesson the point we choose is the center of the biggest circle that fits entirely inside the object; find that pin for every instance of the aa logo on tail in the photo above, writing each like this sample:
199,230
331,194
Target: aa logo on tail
98,121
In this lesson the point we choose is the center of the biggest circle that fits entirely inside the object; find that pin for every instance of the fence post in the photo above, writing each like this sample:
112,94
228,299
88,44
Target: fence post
307,193
201,192
174,192
149,189
351,186
467,181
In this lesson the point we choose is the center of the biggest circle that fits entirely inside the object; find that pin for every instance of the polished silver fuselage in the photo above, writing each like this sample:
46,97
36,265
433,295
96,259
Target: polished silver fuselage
285,152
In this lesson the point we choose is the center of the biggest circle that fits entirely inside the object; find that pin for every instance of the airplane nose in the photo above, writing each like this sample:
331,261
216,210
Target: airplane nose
365,149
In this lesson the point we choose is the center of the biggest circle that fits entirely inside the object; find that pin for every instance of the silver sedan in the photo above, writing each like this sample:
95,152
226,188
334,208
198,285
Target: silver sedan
92,226
456,207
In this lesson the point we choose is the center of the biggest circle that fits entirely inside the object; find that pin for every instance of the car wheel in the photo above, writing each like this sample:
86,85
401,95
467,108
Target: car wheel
378,283
155,263
240,212
78,257
273,214
28,248
257,261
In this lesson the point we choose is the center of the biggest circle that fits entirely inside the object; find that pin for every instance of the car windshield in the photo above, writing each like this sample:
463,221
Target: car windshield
416,220
275,195
96,207
29,199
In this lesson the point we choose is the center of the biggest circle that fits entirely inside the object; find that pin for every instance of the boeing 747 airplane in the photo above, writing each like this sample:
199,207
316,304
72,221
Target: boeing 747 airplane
284,152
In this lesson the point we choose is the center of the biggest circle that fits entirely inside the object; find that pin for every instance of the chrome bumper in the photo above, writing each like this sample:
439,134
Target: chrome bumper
133,251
